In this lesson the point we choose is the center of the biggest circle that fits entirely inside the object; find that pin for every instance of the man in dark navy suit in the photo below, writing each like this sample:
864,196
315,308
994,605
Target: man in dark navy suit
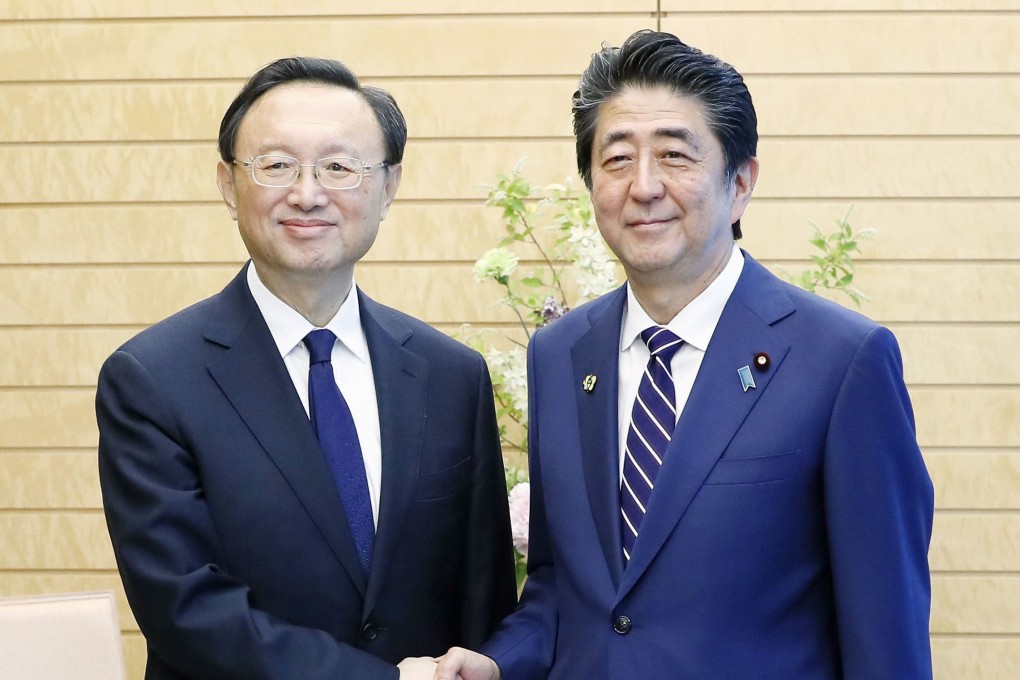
272,523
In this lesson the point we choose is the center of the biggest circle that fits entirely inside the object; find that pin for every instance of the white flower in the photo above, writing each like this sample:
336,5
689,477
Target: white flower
595,270
520,513
495,264
509,372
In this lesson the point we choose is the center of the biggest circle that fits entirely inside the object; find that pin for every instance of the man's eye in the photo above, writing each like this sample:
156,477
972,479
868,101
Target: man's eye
675,159
338,168
275,166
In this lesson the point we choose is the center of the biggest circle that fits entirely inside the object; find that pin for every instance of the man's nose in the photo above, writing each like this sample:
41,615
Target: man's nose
647,181
307,192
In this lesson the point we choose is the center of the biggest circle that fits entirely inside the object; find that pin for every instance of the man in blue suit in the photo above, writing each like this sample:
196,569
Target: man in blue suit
300,483
751,505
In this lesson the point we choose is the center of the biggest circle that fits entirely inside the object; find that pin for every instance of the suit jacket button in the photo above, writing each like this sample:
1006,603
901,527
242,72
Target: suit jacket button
369,631
622,625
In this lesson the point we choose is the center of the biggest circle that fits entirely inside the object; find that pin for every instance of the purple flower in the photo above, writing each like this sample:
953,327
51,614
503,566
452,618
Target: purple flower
552,310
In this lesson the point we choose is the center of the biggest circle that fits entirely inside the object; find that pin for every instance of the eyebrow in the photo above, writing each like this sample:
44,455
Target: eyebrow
273,146
681,133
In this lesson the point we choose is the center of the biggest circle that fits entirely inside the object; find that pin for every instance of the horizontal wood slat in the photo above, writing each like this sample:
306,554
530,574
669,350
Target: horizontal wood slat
976,658
55,540
240,9
447,46
975,542
853,42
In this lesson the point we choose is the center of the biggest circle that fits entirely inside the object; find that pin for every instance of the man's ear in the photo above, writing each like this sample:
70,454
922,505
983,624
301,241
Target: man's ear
743,187
393,174
225,181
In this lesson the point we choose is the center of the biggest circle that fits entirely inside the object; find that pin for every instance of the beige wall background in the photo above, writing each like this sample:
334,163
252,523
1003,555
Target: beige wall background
110,219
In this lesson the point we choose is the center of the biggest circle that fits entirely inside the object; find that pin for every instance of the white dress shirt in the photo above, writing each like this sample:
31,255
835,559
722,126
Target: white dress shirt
695,324
352,367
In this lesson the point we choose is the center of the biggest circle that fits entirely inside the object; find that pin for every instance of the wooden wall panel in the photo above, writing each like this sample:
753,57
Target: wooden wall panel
47,418
949,354
62,480
66,356
123,9
974,656
112,219
976,604
825,6
906,229
885,106
854,42
55,540
447,46
965,479
973,541
957,416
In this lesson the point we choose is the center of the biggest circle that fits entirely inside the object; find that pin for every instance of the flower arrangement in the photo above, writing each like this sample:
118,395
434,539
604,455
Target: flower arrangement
554,227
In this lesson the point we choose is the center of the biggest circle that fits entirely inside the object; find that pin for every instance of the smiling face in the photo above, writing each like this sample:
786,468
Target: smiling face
305,235
659,189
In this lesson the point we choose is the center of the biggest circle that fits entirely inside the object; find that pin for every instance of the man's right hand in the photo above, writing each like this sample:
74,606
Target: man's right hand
463,664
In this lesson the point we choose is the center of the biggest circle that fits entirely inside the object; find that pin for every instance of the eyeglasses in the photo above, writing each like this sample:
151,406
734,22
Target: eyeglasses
333,173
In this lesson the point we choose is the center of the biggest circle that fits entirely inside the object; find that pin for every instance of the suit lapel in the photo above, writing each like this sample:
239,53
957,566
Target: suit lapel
597,353
716,408
401,381
248,371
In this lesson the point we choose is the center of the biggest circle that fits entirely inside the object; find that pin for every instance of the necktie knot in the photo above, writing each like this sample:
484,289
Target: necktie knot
662,342
320,345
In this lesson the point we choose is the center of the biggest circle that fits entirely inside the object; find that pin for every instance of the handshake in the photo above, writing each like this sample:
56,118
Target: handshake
456,664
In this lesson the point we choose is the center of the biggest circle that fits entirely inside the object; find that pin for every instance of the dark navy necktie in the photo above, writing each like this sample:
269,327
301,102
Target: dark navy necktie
652,422
338,438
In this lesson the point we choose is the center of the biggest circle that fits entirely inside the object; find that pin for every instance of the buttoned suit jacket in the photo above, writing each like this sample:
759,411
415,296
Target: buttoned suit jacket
787,534
230,534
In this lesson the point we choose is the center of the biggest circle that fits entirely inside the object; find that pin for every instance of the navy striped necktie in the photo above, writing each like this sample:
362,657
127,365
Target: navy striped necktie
338,438
652,422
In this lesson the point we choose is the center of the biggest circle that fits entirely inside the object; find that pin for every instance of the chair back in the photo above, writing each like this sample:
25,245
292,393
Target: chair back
60,637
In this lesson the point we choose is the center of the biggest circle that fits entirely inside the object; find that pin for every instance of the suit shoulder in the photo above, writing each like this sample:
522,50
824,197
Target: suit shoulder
829,315
170,335
420,336
579,320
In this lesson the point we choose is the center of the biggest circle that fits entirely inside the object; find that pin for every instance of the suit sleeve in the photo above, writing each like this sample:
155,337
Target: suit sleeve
193,613
490,589
524,646
878,506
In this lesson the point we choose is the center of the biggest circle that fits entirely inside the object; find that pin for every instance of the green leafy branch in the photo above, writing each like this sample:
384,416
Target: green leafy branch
834,268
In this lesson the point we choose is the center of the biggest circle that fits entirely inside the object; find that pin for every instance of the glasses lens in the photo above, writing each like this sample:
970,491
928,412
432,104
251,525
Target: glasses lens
274,171
339,173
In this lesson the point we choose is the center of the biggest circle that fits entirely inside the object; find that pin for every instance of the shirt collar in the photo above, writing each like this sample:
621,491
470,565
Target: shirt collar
289,328
696,322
